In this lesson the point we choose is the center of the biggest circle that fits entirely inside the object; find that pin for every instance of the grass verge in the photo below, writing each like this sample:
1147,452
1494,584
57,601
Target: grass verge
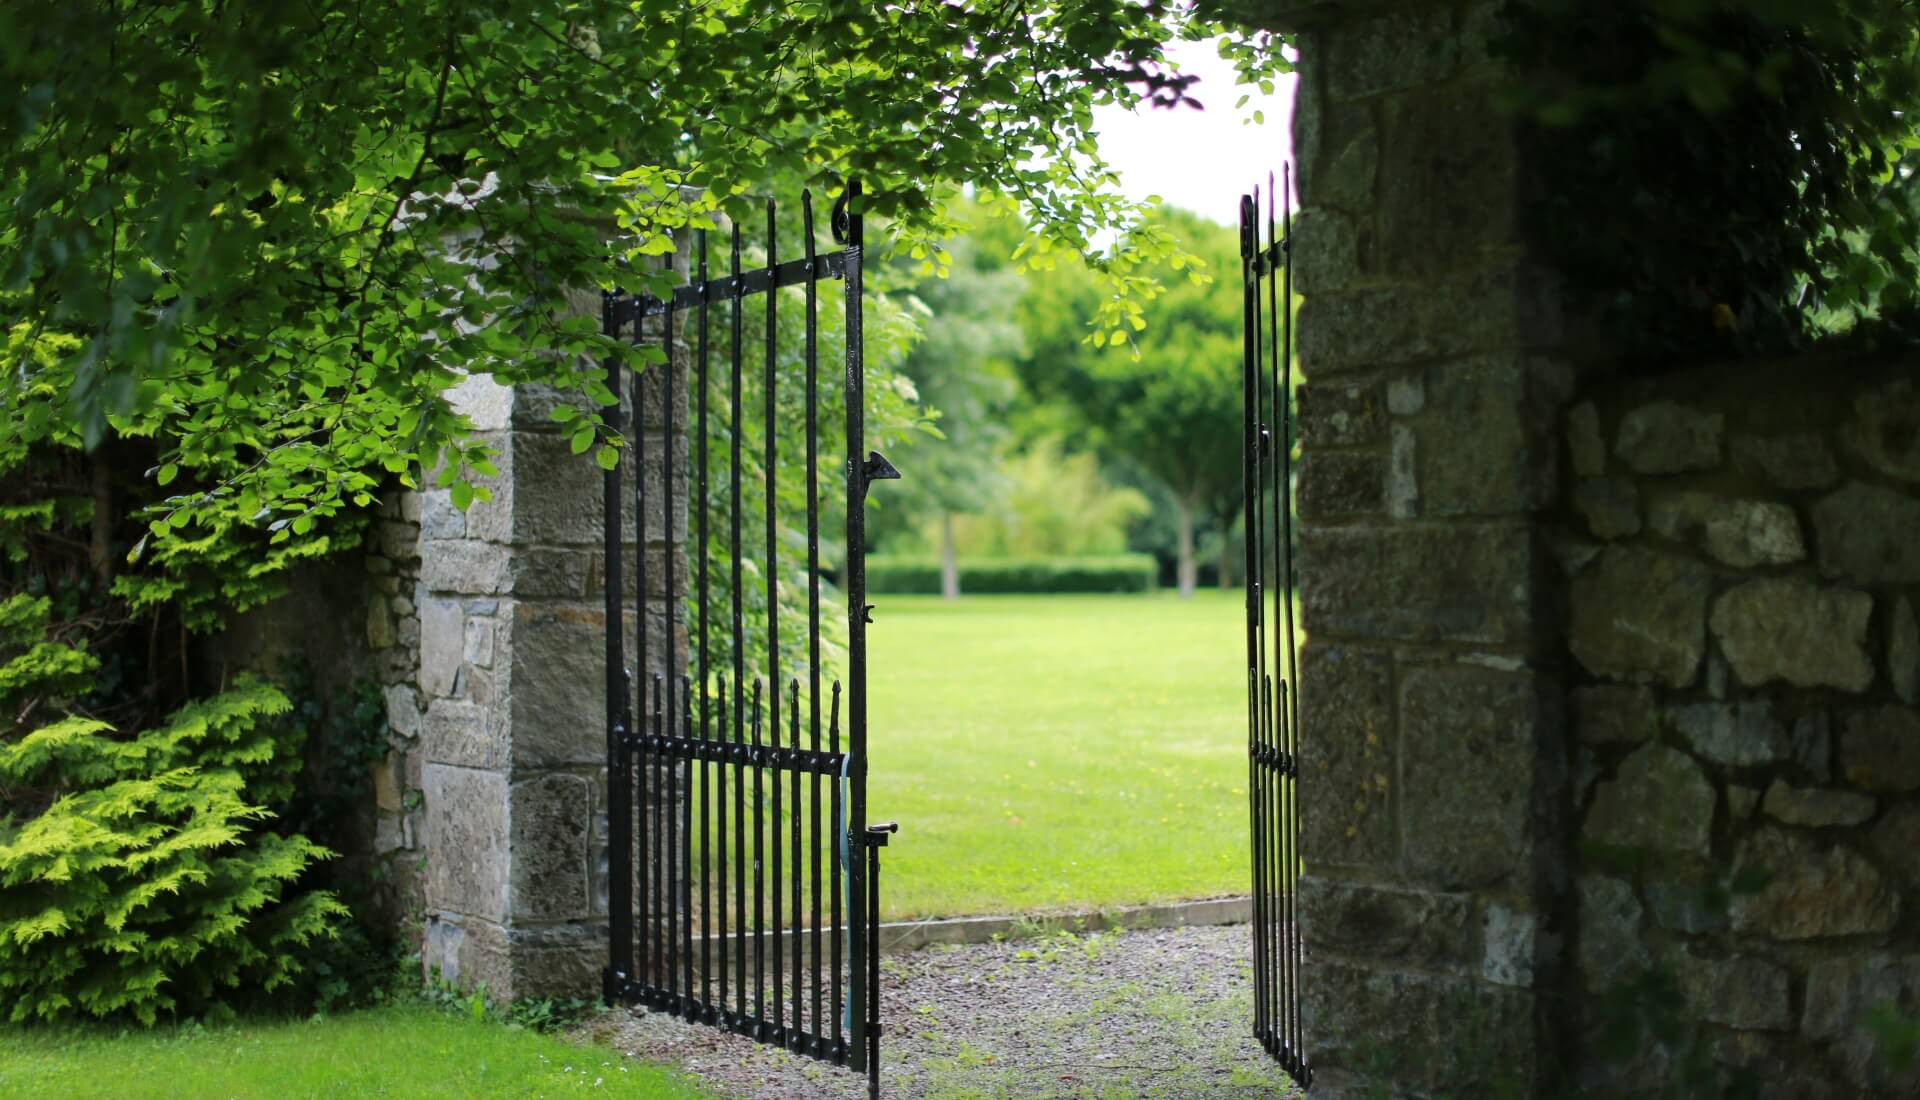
413,1051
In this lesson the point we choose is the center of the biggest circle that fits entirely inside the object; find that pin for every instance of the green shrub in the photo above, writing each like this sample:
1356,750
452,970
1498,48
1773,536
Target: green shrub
136,877
887,573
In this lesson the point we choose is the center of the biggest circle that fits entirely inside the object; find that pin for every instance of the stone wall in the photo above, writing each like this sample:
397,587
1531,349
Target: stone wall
1607,685
485,630
1742,545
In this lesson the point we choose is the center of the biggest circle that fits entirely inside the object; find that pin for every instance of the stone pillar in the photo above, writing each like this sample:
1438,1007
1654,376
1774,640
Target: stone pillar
512,653
1433,764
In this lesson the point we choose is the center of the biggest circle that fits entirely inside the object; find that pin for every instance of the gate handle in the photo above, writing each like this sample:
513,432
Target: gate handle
877,834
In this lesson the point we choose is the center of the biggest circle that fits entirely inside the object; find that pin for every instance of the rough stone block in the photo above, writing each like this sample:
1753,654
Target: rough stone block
1885,429
379,623
1742,991
467,866
1448,174
1740,734
1610,948
439,519
1797,460
403,709
1419,583
1810,891
1389,53
1336,484
1330,250
1843,993
1467,803
1868,534
1483,445
1815,807
1659,800
1512,943
463,733
1348,182
442,639
551,817
1430,931
1640,615
478,648
1880,750
1406,396
1499,310
469,567
1896,840
1687,902
1403,484
1666,437
1611,506
1347,815
559,497
1787,629
1338,415
1903,652
557,673
1613,713
1436,1036
1585,448
1741,533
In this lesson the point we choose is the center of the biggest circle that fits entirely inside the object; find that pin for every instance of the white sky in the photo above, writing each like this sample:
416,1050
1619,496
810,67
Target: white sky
1200,160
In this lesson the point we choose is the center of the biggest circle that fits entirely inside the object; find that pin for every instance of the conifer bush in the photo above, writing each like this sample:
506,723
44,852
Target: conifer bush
137,877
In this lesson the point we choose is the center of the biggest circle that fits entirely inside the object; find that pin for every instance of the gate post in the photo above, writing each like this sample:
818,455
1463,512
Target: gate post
513,627
1433,756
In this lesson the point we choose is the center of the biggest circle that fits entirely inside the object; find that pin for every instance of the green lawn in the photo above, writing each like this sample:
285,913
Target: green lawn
410,1051
1058,752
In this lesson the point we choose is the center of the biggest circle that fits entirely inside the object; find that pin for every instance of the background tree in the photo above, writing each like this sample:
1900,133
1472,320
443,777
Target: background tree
1164,391
962,369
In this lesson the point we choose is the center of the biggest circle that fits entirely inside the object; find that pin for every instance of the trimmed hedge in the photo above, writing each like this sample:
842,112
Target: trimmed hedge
889,573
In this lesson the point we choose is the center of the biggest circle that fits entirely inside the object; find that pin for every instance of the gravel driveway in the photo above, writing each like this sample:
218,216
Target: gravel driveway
1162,1013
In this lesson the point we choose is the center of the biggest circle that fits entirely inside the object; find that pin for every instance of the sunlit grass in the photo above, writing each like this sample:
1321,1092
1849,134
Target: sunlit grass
1058,752
404,1051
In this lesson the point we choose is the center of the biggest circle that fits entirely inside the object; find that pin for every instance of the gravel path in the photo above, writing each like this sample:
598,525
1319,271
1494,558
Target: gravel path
1162,1013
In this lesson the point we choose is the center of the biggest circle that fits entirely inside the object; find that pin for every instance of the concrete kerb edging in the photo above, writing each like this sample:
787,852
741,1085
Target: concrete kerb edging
899,937
902,937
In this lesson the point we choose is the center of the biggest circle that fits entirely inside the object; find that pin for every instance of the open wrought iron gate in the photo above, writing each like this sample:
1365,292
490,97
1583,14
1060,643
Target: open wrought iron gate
1273,706
743,878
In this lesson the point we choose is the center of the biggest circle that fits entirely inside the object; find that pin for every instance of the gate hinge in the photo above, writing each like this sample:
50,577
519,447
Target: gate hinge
877,834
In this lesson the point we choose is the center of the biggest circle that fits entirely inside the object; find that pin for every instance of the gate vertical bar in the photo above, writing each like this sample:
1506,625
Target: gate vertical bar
1292,697
813,587
1249,451
1277,720
707,912
739,654
856,627
771,466
619,879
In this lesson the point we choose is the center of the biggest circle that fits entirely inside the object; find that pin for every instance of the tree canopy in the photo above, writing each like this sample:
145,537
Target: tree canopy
275,233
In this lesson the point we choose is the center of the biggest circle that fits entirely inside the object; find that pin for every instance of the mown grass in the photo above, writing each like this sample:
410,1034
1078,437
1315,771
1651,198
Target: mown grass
1058,752
412,1051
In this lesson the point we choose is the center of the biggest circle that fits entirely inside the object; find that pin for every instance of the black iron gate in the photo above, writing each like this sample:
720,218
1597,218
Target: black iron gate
743,878
1273,706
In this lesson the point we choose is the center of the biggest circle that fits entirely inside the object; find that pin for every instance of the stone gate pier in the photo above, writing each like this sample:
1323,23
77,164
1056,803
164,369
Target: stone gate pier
1611,765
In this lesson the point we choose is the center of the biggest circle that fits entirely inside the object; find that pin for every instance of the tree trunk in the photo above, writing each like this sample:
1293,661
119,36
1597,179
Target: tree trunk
100,551
949,559
1226,556
1186,571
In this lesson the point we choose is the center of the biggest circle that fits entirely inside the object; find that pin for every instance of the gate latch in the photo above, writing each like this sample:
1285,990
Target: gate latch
877,468
877,834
